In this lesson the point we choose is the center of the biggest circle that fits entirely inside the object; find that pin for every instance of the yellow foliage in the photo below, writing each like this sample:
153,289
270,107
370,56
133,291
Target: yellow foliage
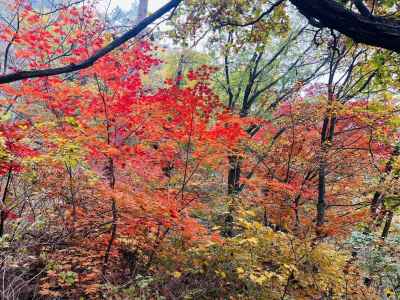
260,263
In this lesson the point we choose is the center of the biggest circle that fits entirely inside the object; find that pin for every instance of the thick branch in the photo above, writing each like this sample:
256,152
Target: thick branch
96,56
362,8
375,31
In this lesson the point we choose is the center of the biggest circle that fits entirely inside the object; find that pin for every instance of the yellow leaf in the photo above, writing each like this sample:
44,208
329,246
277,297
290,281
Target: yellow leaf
177,274
258,279
252,240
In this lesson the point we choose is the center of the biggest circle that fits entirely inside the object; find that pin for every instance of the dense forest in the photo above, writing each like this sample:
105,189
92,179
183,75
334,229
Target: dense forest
232,149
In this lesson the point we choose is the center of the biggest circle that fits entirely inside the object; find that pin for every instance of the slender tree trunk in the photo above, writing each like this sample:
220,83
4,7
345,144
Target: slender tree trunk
3,213
72,196
141,15
375,203
388,223
234,174
143,10
180,71
296,212
113,234
377,200
109,173
327,135
321,203
233,189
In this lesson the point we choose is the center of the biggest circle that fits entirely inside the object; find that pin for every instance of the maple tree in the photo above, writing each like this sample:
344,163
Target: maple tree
256,158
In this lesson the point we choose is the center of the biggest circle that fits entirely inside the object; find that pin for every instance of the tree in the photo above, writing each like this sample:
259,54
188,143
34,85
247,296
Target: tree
240,153
92,58
364,27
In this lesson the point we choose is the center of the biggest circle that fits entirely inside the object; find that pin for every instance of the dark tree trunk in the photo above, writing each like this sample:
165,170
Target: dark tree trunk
180,71
388,223
321,205
234,175
3,213
377,200
375,203
327,135
233,189
109,173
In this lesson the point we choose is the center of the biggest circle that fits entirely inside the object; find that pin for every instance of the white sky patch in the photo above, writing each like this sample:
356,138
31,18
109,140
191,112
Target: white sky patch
126,4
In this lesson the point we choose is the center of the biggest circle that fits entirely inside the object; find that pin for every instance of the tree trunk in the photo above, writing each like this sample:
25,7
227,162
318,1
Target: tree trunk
321,205
388,223
109,173
233,189
143,10
377,200
327,135
234,175
3,212
180,71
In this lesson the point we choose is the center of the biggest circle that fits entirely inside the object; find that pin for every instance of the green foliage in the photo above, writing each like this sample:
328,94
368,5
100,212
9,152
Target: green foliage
68,278
214,19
